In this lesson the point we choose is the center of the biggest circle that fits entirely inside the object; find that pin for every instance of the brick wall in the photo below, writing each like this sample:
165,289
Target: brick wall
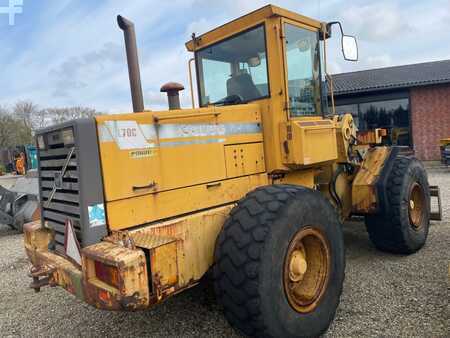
430,117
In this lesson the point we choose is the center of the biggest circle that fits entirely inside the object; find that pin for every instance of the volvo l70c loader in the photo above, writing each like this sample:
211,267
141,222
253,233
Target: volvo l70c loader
253,185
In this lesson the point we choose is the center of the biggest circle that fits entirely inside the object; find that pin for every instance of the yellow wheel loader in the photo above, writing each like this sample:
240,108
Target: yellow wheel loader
253,185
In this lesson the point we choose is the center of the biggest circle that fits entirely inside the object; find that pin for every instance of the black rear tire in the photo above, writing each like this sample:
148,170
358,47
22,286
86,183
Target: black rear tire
250,262
397,230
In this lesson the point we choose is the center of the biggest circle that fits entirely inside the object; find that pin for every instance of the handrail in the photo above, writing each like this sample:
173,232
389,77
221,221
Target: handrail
184,116
328,76
190,82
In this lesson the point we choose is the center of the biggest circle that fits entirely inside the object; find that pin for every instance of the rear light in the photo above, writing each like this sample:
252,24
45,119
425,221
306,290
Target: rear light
104,296
68,138
107,274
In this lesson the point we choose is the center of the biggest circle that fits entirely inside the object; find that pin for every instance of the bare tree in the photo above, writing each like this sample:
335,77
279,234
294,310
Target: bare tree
17,125
26,111
59,115
13,131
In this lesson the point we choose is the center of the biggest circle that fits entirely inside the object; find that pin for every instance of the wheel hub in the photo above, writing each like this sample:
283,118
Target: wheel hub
416,206
297,266
306,269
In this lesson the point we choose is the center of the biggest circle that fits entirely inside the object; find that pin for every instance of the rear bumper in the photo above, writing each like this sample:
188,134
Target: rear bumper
130,293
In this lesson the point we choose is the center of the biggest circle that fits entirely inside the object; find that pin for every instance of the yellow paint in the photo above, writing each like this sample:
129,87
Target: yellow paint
195,237
308,142
132,272
364,198
143,209
244,159
174,163
251,19
345,133
304,178
172,177
164,268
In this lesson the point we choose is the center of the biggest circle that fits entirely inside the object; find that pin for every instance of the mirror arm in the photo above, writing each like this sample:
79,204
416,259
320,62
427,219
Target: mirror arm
331,23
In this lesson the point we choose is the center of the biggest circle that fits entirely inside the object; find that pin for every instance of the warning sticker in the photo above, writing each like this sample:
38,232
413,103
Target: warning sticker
96,215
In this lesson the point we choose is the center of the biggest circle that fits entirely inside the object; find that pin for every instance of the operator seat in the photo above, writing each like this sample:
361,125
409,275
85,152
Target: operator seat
242,84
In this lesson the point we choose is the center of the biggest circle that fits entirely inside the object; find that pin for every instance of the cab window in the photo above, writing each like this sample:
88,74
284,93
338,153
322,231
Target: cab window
234,71
303,71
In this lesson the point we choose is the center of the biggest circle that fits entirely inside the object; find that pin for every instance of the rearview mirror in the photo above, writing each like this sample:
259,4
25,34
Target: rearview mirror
254,61
349,48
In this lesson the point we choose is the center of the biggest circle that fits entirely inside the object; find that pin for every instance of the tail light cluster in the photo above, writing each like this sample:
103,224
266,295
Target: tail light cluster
107,274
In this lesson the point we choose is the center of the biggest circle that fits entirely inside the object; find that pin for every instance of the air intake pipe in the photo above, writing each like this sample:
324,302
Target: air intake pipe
133,63
172,89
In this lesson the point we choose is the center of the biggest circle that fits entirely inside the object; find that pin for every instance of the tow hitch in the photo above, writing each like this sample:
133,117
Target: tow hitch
41,277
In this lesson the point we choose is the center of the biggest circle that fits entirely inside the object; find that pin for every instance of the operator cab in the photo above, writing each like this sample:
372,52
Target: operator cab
235,70
272,59
243,66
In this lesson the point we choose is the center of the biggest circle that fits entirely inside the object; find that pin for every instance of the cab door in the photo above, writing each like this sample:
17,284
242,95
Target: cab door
307,138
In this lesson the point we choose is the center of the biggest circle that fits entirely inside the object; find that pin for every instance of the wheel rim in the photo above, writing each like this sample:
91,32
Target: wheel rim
416,206
306,269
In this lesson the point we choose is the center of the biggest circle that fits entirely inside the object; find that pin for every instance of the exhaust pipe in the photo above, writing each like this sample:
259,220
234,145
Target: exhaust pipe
133,63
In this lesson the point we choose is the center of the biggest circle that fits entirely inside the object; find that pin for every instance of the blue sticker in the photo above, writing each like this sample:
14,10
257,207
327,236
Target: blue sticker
96,215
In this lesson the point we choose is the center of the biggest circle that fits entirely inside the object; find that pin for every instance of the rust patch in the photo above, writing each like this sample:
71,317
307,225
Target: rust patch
131,291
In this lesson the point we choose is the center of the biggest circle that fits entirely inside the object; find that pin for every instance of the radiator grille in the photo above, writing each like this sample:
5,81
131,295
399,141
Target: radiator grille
74,143
65,203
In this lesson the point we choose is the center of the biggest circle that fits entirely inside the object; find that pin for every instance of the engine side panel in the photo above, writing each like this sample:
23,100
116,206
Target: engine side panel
153,160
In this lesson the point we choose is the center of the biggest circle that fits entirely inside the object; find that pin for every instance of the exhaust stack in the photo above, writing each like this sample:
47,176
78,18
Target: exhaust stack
133,63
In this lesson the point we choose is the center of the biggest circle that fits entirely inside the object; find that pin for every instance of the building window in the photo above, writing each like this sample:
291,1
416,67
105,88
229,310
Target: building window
392,115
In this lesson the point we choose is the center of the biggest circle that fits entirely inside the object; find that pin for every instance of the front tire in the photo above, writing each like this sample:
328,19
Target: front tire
404,228
279,263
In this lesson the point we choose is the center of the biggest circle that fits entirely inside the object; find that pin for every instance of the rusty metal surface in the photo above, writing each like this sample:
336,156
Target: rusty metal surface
171,87
374,136
180,251
163,262
144,239
195,239
133,63
308,251
132,291
54,270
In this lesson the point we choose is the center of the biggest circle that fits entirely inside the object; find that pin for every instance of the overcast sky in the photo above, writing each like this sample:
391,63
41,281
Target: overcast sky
67,52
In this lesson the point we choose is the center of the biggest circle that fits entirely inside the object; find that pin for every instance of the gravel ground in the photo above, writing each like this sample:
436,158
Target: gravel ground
384,295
